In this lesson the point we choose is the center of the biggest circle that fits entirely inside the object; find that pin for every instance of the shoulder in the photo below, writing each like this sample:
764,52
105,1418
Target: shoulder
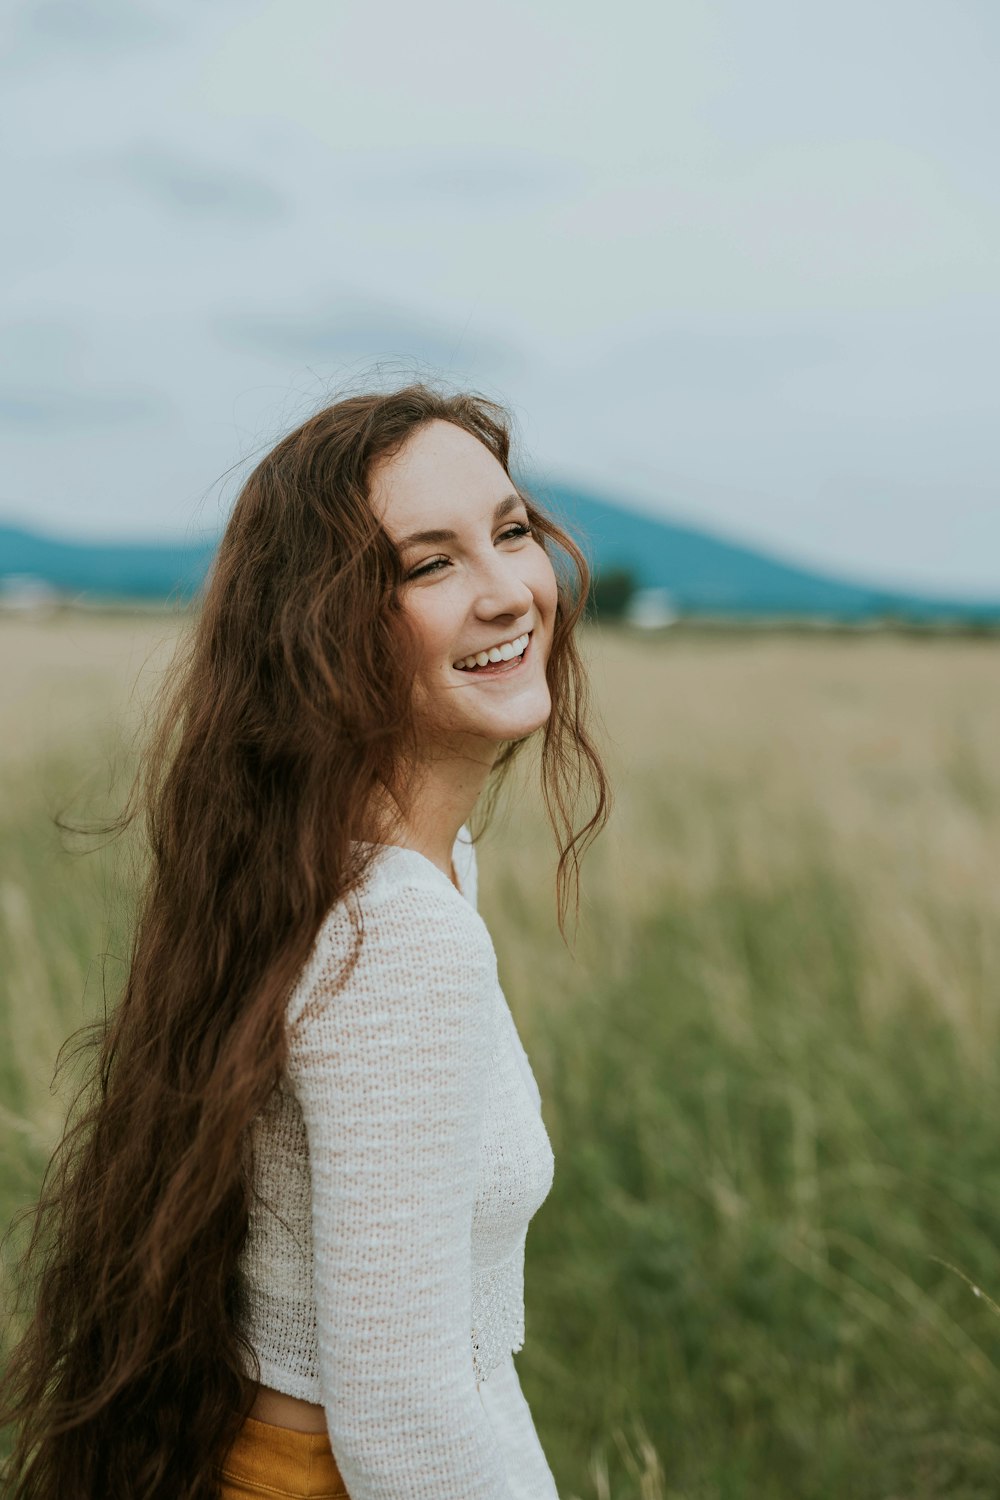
408,897
412,932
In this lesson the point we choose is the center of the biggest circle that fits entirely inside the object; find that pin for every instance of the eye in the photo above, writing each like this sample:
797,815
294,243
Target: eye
521,529
428,568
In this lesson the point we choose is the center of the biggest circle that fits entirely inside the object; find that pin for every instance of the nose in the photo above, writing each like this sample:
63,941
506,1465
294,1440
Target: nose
500,590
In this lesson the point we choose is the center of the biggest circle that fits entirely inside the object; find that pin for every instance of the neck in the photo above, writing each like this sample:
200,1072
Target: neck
440,795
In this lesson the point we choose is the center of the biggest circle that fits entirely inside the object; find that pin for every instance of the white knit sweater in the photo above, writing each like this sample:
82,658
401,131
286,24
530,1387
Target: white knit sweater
398,1166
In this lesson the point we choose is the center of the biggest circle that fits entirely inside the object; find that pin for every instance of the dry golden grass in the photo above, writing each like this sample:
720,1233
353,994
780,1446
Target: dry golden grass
884,750
886,747
73,680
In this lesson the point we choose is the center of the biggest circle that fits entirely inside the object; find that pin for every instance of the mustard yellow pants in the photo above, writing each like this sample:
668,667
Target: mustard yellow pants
267,1462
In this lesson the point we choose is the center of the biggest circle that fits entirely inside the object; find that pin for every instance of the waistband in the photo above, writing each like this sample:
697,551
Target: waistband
289,1462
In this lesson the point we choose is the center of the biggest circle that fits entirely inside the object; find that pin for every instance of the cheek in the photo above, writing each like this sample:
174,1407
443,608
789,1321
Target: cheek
434,631
544,586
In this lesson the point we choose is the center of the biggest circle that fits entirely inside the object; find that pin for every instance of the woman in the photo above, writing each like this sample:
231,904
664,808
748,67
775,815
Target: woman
280,1251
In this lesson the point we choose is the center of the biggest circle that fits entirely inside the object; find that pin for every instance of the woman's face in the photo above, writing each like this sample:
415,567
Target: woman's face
480,582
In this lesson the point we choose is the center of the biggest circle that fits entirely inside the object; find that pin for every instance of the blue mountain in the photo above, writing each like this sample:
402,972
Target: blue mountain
106,570
703,574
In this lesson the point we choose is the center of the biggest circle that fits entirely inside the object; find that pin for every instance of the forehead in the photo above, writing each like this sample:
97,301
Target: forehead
441,475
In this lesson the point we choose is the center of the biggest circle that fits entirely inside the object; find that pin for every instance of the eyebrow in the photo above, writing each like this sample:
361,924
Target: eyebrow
502,508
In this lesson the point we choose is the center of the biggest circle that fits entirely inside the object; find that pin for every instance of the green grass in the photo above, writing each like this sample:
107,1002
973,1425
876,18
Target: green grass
755,1187
64,917
769,1262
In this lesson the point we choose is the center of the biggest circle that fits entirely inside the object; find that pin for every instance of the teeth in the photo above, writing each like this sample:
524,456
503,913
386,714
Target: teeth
506,651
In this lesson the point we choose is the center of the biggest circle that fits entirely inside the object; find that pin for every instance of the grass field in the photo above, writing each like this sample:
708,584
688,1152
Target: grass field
769,1067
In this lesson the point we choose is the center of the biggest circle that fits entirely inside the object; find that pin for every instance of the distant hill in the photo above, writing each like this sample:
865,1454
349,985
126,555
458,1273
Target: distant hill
702,573
105,570
706,575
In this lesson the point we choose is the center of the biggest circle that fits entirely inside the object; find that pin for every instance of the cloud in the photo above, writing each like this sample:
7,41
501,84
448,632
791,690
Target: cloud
52,409
711,360
443,176
358,329
33,346
43,30
192,187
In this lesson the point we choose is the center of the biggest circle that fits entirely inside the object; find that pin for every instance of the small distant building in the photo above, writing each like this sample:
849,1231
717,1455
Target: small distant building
651,609
24,594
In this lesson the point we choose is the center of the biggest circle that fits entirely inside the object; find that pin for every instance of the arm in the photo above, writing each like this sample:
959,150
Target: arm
510,1416
509,1413
388,1072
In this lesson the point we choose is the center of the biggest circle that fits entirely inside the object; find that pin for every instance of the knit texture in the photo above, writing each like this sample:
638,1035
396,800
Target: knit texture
397,1167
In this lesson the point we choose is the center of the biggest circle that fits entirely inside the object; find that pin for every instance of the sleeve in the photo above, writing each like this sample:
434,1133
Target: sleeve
388,1071
529,1475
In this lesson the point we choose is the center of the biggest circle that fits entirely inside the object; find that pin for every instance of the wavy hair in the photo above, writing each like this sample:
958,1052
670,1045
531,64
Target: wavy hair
288,702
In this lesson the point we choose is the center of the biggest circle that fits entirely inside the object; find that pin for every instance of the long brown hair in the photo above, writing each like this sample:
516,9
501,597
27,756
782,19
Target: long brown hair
287,704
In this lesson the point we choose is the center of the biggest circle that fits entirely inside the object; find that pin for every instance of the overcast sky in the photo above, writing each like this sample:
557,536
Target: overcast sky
734,262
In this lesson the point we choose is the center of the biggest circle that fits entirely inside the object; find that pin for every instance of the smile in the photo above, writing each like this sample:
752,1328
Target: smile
499,660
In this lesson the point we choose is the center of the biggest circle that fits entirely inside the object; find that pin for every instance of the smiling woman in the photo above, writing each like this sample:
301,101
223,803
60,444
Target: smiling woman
281,1248
488,583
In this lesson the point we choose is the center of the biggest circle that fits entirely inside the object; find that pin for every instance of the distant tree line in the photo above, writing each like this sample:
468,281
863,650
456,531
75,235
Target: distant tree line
610,592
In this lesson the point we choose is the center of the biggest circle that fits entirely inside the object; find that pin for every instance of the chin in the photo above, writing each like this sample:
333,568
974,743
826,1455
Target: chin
523,718
497,722
497,730
514,728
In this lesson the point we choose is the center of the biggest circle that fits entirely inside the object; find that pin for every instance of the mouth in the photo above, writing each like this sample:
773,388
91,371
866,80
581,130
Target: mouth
500,668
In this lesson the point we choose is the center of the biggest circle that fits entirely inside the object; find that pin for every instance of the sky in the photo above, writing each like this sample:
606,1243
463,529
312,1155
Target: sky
734,264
